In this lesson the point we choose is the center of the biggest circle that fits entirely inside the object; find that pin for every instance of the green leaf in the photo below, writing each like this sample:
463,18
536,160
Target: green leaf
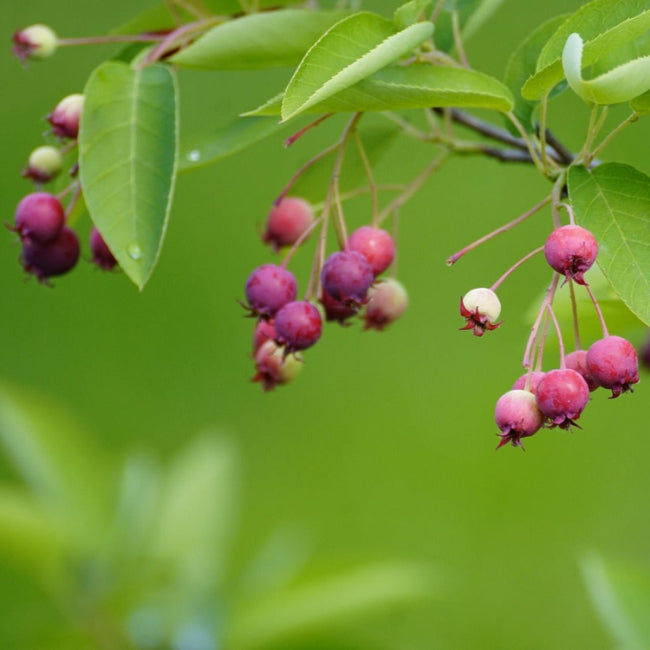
127,160
522,65
613,202
641,104
472,14
263,40
621,84
410,12
199,150
416,86
352,50
604,25
154,19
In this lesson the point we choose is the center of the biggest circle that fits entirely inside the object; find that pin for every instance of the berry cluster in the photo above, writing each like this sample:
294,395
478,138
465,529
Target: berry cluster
347,284
557,397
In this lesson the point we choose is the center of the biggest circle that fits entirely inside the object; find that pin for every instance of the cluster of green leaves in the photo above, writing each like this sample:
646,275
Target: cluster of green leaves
136,553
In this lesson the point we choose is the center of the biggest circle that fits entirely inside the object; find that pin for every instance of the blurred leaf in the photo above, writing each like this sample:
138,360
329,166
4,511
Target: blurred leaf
127,156
353,49
410,12
257,41
153,19
604,26
472,14
613,202
641,104
207,148
482,12
621,595
332,600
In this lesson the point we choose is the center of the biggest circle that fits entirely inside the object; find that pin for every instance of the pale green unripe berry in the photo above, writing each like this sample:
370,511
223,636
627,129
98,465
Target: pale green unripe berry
44,164
35,42
387,301
485,300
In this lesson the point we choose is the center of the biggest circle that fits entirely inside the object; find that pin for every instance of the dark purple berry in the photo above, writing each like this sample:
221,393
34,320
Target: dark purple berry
347,276
298,325
644,352
102,255
535,377
561,397
39,217
387,301
517,416
613,363
287,222
375,244
268,288
577,360
338,311
46,260
66,116
571,250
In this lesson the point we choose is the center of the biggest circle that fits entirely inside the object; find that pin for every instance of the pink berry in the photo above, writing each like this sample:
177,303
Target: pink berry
46,260
102,255
39,217
347,276
287,222
480,308
335,310
35,42
387,301
273,367
517,416
577,360
264,331
298,325
66,116
375,245
535,377
268,288
561,396
613,363
571,250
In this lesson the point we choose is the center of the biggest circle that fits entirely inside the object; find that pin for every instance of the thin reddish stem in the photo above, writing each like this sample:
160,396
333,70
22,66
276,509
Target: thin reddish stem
515,266
560,340
299,241
291,139
601,318
574,311
548,299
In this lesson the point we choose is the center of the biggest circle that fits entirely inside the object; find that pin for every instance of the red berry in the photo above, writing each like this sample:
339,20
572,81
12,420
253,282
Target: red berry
287,222
375,245
298,325
268,288
46,260
480,308
517,416
535,377
66,116
577,360
335,310
561,396
387,301
264,331
571,250
347,276
274,367
39,217
613,363
102,255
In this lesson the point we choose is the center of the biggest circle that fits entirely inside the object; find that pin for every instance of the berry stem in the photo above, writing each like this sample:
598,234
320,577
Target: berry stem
542,130
601,318
73,201
451,260
114,38
529,144
299,241
539,361
290,140
515,266
372,186
569,209
630,119
548,299
560,340
574,311
458,39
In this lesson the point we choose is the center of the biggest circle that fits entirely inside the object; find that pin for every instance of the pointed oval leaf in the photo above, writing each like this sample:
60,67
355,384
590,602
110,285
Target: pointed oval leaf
613,202
127,160
605,25
410,12
262,40
352,50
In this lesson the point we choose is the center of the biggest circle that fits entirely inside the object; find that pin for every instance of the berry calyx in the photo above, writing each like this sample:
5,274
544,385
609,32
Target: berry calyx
66,116
535,377
57,257
274,367
480,308
613,363
387,301
347,276
577,360
44,164
39,217
101,253
571,250
268,288
517,416
561,397
35,42
335,310
287,222
298,326
375,244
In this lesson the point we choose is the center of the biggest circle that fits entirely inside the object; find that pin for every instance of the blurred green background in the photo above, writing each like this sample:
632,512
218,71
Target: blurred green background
384,447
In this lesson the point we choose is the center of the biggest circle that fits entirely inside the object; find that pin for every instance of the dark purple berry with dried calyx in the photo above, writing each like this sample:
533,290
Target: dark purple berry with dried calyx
287,222
338,311
44,164
347,276
517,416
39,217
268,288
57,257
66,116
613,363
375,244
387,301
35,42
577,360
298,325
101,253
561,397
529,381
274,367
480,308
571,250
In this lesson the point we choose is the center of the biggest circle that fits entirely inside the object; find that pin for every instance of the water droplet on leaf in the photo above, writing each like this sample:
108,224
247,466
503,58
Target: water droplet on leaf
134,251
